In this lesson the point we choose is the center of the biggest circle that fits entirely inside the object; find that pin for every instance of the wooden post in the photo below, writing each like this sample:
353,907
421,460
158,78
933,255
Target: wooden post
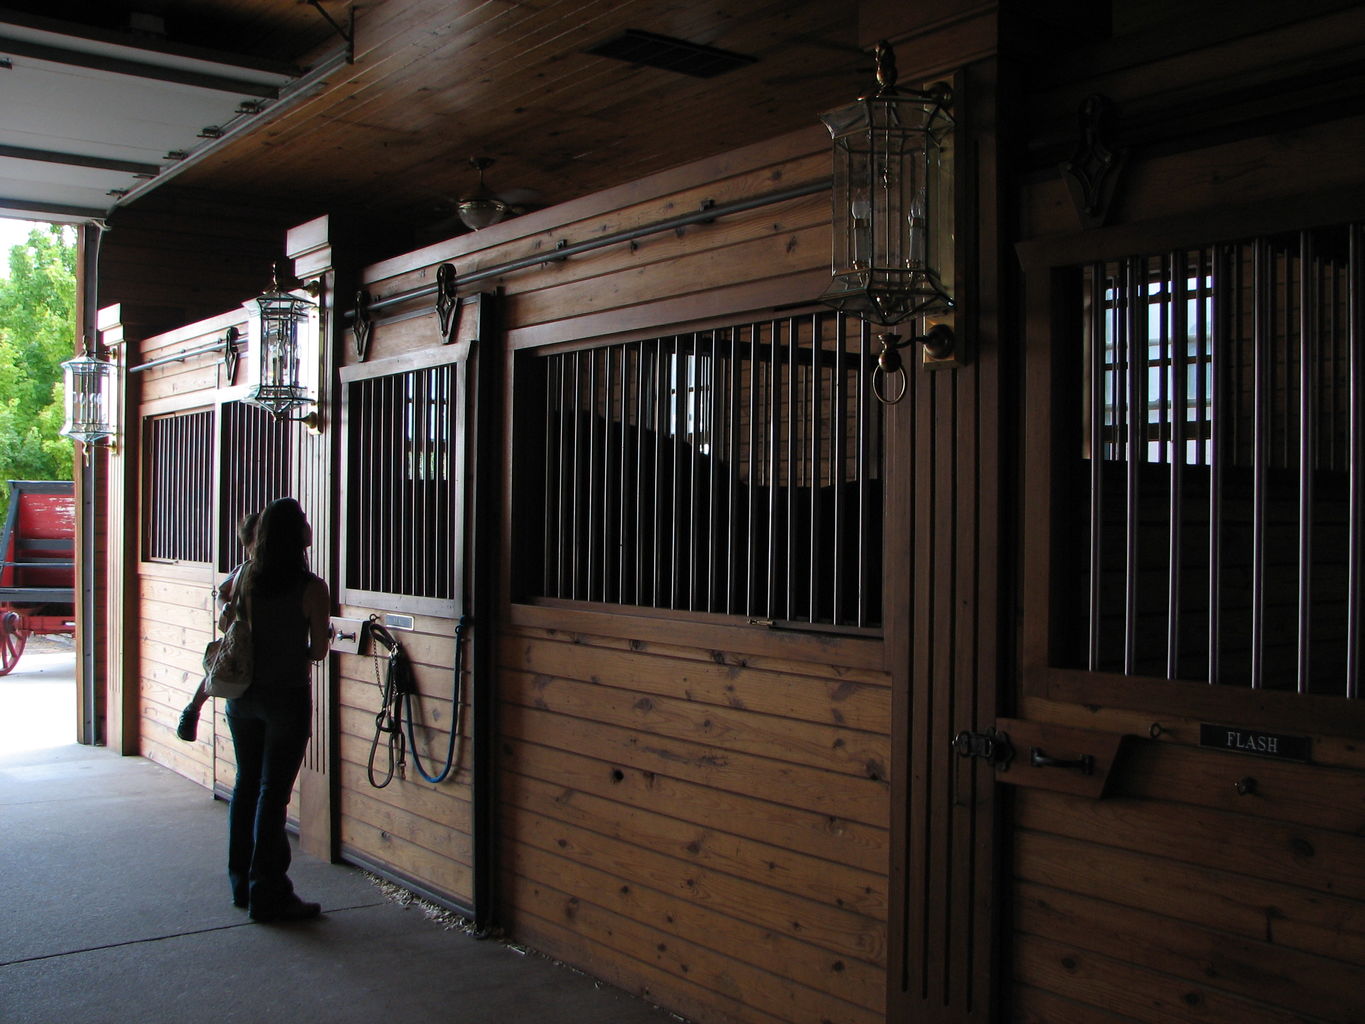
315,469
121,547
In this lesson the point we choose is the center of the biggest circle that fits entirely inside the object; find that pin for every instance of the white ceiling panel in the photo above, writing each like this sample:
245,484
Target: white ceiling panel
84,121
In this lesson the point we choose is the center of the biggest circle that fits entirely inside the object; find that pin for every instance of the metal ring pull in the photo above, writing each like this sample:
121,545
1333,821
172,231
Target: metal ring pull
889,365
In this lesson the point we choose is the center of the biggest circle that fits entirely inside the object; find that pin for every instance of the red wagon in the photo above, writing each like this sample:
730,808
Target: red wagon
38,573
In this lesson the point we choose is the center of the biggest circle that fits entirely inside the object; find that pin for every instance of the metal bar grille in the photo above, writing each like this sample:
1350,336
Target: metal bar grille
1221,399
179,487
745,463
402,483
255,470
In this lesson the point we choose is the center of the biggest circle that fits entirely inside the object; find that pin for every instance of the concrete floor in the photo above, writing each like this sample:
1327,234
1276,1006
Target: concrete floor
114,907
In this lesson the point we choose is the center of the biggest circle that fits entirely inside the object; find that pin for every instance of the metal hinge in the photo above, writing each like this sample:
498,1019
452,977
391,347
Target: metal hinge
991,746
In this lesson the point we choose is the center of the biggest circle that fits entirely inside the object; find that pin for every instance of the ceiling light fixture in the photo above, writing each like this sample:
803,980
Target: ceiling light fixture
481,208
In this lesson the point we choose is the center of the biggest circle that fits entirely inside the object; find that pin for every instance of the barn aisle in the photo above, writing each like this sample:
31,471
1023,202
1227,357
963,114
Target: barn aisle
114,907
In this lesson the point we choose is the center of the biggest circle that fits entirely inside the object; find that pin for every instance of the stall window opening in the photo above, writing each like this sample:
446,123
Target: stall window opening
1221,391
178,482
735,471
401,494
255,470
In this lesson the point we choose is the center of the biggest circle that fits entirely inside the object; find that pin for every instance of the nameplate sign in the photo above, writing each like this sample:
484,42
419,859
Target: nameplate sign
1254,741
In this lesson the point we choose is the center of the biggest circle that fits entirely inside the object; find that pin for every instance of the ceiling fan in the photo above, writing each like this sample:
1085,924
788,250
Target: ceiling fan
482,207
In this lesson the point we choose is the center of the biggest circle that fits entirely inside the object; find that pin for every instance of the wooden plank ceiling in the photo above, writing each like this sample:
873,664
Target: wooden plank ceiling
435,82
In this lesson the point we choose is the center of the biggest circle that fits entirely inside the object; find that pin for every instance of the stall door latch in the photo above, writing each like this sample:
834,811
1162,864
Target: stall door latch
991,746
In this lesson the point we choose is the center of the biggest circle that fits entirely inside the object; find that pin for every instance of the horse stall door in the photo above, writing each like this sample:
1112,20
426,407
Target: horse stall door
1189,781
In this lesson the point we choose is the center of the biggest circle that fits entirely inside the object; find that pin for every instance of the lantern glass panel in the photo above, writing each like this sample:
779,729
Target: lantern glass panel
278,388
90,400
893,207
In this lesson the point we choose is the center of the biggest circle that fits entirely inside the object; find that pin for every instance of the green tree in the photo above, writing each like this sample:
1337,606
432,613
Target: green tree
37,334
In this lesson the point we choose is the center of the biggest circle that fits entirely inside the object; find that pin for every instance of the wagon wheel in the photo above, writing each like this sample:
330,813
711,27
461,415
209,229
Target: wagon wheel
12,640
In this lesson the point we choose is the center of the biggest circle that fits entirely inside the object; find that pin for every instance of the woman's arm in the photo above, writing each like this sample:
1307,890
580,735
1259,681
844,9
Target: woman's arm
317,609
224,598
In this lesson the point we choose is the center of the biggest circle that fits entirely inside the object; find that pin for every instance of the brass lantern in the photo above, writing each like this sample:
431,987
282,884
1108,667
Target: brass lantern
278,388
91,399
893,224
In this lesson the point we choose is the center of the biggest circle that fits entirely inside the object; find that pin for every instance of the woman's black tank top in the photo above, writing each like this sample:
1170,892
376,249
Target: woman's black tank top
279,634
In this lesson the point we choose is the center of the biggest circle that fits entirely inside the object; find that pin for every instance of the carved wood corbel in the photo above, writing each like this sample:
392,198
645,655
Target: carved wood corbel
1092,174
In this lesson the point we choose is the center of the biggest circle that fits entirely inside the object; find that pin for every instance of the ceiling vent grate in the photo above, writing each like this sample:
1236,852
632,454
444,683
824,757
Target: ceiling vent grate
646,49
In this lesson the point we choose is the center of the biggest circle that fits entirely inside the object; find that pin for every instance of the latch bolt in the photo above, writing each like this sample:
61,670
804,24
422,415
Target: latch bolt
991,746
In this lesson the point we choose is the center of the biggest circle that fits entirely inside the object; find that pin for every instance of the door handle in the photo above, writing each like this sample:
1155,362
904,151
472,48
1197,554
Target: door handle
1036,757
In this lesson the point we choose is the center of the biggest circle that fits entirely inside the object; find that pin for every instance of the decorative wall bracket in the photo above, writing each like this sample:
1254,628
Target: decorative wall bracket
1093,172
941,349
231,356
447,302
363,326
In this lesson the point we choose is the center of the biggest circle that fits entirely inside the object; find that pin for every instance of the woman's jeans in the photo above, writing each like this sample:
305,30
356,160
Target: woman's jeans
270,732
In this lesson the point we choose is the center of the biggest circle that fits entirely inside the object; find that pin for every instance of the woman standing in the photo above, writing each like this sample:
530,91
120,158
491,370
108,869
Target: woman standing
271,723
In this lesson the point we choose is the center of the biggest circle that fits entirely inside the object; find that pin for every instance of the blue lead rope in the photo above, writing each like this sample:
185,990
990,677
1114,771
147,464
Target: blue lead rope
457,686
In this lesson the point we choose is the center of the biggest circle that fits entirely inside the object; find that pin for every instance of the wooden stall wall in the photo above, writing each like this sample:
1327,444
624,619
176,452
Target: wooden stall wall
1199,884
390,817
193,459
690,806
174,609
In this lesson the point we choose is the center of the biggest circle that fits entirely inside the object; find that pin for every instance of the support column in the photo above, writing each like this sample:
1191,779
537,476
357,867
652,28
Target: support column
120,547
314,250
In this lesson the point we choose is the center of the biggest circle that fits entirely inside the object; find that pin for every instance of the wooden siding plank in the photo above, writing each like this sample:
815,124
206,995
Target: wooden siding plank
601,960
1264,971
1142,994
706,846
160,744
441,874
847,704
847,979
802,670
1032,1005
832,839
800,786
1294,854
838,931
731,730
745,261
726,638
722,735
1312,795
768,975
1285,915
444,805
434,837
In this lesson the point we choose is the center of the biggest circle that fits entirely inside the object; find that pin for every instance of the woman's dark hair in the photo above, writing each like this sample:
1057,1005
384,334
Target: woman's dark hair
280,555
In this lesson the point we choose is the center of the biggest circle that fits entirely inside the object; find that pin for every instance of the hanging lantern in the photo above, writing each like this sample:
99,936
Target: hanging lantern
893,224
278,388
91,399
